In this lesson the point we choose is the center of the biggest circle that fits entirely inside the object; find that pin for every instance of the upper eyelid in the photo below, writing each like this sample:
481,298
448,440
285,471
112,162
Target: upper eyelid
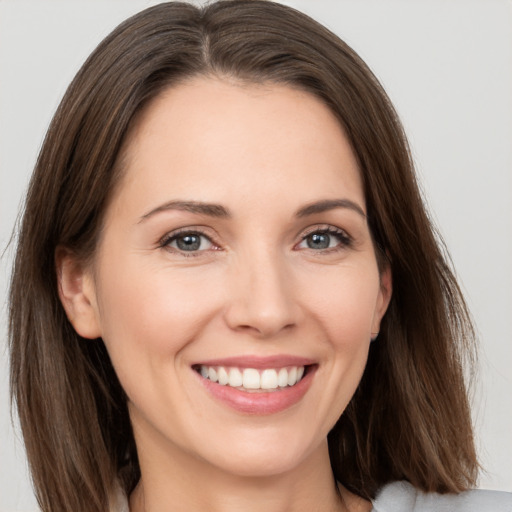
199,230
195,230
345,239
324,227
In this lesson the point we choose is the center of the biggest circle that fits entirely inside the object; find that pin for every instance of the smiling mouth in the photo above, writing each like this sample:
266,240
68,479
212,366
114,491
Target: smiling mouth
252,379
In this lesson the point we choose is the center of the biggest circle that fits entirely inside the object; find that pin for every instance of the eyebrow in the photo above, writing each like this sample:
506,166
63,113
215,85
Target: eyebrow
209,209
329,204
219,211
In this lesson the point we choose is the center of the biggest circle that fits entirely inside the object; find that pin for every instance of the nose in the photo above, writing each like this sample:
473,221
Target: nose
262,299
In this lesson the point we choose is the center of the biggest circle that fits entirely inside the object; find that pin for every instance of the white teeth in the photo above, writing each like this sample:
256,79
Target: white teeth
223,376
212,374
282,378
250,378
235,378
292,376
268,379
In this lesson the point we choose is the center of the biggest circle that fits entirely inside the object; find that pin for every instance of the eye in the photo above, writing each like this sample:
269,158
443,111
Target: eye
326,238
187,241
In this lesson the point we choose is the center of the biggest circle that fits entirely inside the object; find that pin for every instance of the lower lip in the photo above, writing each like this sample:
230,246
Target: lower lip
260,402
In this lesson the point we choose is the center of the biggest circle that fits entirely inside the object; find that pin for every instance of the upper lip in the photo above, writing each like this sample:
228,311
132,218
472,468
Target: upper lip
258,362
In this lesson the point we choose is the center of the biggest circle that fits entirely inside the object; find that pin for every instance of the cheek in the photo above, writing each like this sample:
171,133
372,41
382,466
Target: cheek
342,306
344,303
153,315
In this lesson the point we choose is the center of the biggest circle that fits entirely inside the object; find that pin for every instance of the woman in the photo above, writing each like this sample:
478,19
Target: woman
227,292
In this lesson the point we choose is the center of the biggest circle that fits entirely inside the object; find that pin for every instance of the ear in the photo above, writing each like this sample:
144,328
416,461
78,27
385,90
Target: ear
384,297
77,293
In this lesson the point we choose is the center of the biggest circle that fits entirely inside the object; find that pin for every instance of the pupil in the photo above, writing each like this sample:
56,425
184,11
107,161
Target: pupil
318,241
188,242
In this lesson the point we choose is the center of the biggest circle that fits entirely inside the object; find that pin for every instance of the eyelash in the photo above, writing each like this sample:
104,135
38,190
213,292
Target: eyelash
345,240
167,239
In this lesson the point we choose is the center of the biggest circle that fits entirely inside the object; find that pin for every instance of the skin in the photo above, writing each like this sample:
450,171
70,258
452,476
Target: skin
254,287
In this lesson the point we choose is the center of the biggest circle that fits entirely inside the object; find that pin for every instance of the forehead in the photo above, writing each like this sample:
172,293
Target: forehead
210,134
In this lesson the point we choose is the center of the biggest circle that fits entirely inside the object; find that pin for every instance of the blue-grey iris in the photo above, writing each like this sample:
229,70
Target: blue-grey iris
188,242
318,241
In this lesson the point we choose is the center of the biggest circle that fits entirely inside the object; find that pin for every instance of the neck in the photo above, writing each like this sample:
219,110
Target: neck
194,485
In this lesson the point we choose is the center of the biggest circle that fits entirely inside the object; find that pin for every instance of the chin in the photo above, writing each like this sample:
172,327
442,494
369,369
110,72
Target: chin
259,466
263,457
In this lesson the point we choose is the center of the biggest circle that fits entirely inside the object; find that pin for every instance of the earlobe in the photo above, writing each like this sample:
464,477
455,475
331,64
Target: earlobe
385,293
77,293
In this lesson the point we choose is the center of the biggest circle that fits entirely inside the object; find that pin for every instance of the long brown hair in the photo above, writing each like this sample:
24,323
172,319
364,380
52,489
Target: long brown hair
409,418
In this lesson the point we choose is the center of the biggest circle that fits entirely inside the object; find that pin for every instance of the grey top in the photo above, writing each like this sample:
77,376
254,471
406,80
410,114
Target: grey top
403,497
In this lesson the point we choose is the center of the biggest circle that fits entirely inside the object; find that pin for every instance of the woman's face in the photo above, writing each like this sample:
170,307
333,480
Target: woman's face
235,257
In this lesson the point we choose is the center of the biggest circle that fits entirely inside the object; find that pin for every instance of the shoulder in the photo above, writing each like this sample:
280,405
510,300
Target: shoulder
403,497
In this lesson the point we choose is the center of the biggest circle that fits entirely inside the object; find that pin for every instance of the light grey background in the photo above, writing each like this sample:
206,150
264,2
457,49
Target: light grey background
447,66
